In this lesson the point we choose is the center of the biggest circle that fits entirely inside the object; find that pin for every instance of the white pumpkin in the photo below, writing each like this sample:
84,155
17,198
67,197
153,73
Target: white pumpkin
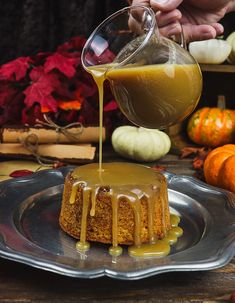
140,144
212,51
231,41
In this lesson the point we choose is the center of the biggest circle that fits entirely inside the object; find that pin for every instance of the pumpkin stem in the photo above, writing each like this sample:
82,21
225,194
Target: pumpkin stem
221,103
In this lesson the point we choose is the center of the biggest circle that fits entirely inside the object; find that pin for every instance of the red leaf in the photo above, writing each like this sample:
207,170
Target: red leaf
232,297
31,115
112,105
16,69
189,151
199,174
11,103
11,110
198,163
59,164
199,155
75,44
41,89
86,89
88,114
159,168
37,73
39,58
63,64
7,93
20,173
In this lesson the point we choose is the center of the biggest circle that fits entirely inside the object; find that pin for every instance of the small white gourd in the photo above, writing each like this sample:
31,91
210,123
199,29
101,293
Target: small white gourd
140,144
231,41
212,51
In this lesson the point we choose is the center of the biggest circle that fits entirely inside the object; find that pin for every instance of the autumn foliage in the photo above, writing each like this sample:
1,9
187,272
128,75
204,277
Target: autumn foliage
53,83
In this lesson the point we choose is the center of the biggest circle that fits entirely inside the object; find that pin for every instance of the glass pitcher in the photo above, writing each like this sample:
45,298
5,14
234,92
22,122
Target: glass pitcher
155,81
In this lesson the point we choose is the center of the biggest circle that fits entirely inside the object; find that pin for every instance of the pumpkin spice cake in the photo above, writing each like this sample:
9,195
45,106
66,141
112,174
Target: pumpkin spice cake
124,204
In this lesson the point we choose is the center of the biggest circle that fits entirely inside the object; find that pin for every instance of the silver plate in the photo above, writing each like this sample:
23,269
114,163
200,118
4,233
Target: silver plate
30,234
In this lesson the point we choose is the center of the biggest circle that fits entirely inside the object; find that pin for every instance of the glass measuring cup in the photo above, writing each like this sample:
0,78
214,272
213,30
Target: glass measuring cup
155,81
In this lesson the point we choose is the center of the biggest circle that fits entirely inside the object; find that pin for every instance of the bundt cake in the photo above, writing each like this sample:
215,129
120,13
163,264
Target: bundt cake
122,204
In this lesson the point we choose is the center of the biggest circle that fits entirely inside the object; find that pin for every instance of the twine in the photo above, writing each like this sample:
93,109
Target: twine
31,144
62,129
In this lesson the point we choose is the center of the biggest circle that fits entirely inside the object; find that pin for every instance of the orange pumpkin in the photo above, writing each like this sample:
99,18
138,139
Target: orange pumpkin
212,126
219,167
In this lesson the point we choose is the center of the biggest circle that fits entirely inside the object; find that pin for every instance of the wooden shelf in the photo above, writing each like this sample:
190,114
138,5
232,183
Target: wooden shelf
218,68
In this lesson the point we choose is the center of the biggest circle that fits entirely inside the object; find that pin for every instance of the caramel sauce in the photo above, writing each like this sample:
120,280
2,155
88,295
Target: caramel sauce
161,247
169,92
99,77
175,220
132,182
125,180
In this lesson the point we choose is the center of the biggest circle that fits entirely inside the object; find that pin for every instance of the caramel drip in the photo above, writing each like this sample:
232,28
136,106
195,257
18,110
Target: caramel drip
73,195
114,219
135,203
173,234
94,194
163,196
162,247
175,220
83,244
151,212
137,212
115,249
177,230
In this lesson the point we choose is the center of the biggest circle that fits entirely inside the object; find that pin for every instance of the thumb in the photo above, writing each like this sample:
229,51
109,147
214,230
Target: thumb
164,5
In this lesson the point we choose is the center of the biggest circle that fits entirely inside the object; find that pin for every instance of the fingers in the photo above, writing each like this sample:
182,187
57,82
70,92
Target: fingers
141,2
165,18
218,28
168,19
201,32
164,5
159,5
170,29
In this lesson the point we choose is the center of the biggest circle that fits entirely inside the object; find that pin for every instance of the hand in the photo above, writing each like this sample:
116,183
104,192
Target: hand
198,18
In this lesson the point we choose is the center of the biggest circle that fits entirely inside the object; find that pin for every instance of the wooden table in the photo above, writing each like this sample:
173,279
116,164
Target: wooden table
21,283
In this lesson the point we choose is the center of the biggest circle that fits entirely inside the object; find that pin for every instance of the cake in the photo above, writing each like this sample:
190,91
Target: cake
122,204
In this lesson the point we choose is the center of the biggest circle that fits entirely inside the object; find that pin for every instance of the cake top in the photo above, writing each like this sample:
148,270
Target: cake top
117,174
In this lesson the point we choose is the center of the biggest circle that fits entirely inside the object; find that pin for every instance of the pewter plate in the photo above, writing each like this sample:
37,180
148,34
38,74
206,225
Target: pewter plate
30,233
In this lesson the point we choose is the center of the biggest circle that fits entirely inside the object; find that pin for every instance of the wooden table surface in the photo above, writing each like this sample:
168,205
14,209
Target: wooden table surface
21,283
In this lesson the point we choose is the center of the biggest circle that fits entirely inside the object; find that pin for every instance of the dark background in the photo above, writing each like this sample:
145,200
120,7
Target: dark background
30,26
